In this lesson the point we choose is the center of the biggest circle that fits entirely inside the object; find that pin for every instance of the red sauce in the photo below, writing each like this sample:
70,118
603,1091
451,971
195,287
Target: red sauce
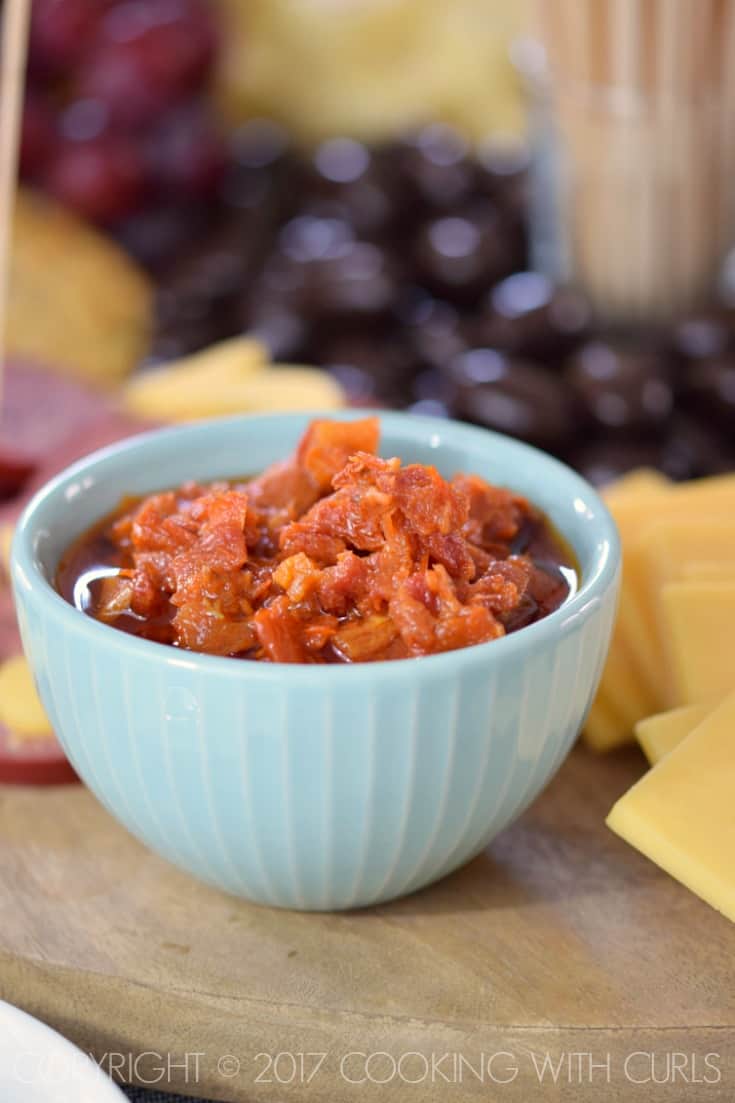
332,555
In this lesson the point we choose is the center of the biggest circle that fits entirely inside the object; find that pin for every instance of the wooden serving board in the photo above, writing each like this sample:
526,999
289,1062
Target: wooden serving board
560,943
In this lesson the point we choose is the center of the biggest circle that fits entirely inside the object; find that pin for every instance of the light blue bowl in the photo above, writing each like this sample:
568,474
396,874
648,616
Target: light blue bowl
314,787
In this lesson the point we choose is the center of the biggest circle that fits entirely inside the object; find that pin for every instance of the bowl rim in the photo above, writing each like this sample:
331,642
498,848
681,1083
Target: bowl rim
27,575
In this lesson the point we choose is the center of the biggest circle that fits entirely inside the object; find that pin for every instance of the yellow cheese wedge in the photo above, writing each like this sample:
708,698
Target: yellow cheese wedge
699,628
20,707
659,734
681,814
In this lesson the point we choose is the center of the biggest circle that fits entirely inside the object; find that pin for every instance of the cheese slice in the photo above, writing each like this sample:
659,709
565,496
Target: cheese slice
637,515
703,571
635,683
706,493
631,500
633,514
699,629
632,484
604,727
659,734
627,697
672,547
20,707
657,559
681,814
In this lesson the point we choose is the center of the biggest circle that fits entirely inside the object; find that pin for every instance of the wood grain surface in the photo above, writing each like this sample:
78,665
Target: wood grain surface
559,945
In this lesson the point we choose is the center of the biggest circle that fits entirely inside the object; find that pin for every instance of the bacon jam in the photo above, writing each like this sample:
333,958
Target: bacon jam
332,555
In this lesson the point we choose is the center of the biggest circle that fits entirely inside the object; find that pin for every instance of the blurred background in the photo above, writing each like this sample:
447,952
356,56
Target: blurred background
455,208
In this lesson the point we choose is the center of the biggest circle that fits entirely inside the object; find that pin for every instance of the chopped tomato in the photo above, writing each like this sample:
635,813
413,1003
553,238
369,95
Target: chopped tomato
334,554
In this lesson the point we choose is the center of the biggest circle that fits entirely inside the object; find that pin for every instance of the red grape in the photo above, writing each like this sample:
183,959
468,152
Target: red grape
118,77
61,32
83,120
126,116
102,180
187,155
151,55
175,40
38,137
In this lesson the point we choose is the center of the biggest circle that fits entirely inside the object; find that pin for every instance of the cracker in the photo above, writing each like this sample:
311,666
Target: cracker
228,378
173,391
77,302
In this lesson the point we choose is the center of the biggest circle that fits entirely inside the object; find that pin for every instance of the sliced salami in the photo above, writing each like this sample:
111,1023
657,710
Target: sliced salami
46,423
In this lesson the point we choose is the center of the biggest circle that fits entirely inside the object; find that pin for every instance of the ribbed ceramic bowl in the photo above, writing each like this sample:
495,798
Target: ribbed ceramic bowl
315,787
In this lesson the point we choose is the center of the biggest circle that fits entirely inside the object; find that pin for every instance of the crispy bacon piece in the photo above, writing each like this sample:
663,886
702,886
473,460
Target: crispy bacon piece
344,585
327,446
502,586
361,640
431,617
299,576
280,632
290,487
495,515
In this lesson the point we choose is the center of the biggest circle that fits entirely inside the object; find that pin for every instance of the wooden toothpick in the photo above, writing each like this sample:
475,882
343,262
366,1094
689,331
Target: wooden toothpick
16,16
